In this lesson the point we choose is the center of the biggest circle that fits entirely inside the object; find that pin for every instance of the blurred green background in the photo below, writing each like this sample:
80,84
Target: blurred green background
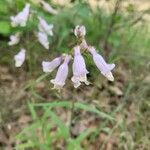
120,31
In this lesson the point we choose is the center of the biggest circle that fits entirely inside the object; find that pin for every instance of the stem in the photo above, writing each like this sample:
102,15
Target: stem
71,116
110,27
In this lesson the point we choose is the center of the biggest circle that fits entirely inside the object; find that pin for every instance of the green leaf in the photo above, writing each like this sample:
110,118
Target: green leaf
3,7
4,27
77,105
62,127
92,109
84,134
32,110
24,146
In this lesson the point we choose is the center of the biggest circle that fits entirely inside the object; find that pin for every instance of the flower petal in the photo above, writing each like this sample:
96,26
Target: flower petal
99,61
50,66
79,68
48,8
20,58
45,27
14,39
21,18
62,74
43,39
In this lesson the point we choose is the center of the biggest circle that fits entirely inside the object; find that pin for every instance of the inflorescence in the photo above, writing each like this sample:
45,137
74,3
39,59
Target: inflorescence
78,67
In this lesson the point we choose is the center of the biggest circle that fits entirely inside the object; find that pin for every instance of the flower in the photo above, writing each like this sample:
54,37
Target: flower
44,27
79,31
49,66
14,39
43,39
79,69
99,61
48,8
62,74
21,18
20,58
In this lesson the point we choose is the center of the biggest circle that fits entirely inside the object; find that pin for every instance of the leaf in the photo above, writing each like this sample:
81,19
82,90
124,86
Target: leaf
77,105
83,135
3,7
4,27
42,77
32,110
23,146
54,104
63,129
92,109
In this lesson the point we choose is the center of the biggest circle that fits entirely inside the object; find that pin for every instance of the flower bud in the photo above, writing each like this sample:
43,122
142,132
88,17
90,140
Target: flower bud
79,31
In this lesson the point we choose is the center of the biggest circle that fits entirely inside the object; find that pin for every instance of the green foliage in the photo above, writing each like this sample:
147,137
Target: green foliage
4,27
41,128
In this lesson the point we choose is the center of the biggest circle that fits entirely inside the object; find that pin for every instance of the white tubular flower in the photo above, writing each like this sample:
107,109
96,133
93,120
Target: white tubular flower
99,61
14,39
79,69
45,27
49,66
43,39
62,74
80,31
21,18
20,58
48,8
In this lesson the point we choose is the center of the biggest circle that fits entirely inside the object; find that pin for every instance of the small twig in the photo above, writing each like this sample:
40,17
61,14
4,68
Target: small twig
110,27
134,21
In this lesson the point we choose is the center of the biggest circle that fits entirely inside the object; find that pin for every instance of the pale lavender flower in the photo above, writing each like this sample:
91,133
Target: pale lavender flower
48,8
62,74
21,18
14,39
49,66
79,69
43,39
79,31
99,61
20,58
45,27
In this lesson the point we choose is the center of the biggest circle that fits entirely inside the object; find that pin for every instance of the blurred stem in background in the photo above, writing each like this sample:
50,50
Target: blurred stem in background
111,27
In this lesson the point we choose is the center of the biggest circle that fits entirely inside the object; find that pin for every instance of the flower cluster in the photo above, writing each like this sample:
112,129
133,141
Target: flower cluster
78,67
21,19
